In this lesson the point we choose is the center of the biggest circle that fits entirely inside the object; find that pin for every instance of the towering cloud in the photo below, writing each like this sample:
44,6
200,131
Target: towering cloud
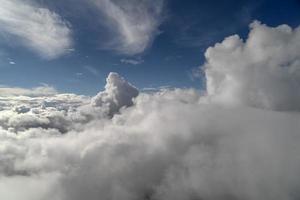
263,71
239,141
42,107
118,93
37,28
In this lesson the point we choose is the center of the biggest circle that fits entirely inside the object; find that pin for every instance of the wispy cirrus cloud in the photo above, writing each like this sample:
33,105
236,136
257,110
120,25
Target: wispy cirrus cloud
92,70
39,29
134,23
137,61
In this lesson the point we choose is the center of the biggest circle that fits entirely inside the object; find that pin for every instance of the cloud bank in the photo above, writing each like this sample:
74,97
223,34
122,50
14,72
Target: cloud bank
44,90
134,23
39,29
229,143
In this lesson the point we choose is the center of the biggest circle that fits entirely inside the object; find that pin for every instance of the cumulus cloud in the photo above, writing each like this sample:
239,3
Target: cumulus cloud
39,29
51,111
43,107
169,144
135,23
118,93
262,71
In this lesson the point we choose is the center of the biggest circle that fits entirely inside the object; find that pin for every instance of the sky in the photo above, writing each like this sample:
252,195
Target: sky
72,45
149,100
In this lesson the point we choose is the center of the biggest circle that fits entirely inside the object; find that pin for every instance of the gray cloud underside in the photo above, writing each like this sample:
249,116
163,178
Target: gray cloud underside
239,141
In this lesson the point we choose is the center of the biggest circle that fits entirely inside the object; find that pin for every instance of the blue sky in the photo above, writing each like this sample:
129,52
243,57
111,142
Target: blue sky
151,43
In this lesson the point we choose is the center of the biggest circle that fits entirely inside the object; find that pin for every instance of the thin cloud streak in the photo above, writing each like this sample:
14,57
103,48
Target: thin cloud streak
132,61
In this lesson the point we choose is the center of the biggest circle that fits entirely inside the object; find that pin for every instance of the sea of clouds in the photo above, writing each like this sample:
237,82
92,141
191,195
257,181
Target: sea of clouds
238,140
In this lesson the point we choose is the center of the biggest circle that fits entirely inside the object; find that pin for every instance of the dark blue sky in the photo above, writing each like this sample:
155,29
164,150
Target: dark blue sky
185,30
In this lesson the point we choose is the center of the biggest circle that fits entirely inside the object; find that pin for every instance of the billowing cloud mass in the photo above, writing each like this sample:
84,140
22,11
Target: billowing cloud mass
134,23
118,93
262,72
39,29
239,140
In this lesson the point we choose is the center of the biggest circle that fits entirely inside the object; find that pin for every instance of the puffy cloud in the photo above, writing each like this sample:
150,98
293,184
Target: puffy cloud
118,93
37,28
263,71
135,23
57,111
169,144
42,107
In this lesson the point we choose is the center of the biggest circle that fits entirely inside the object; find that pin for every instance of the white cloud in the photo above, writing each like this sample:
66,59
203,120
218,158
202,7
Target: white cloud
132,61
263,71
167,146
37,28
51,111
196,73
38,91
92,70
118,93
42,107
135,23
172,144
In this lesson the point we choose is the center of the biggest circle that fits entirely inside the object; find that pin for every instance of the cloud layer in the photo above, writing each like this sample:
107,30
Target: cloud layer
169,144
38,91
37,28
